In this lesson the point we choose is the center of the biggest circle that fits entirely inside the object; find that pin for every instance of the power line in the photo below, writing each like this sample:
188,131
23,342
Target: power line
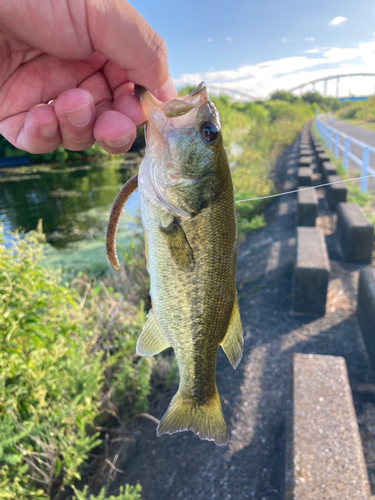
303,189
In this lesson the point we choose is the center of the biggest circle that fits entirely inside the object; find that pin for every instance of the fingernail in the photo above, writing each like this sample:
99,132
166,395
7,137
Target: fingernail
49,127
119,142
80,116
168,91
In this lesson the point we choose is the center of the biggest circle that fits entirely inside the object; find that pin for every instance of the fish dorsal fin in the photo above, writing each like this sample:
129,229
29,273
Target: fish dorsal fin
232,343
178,245
151,341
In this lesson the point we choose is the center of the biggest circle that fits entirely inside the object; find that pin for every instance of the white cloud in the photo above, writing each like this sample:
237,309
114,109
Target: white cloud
263,78
337,20
316,50
228,38
309,39
209,40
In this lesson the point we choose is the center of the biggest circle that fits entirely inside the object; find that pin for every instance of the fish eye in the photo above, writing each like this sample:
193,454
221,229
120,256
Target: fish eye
209,132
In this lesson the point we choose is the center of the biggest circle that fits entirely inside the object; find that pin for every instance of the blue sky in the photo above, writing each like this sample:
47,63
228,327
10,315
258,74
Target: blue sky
259,46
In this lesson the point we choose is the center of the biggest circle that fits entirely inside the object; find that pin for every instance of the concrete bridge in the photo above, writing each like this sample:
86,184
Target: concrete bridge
235,95
343,85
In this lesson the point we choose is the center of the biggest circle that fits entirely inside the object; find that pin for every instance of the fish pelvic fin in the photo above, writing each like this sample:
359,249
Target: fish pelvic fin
232,343
151,341
206,420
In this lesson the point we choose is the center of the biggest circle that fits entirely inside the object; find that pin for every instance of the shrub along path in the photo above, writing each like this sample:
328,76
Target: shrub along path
254,397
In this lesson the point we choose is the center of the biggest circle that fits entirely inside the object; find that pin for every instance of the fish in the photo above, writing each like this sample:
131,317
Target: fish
188,215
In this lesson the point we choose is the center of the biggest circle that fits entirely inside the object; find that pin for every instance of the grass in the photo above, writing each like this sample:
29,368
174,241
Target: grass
360,113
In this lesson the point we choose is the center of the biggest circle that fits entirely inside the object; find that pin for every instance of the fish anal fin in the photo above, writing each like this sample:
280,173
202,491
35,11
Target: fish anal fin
151,341
206,420
232,343
179,246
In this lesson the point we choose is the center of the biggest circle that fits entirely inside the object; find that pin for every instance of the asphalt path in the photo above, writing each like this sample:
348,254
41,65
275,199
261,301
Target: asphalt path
361,134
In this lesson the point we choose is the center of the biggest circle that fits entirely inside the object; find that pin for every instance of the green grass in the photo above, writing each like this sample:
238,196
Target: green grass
360,113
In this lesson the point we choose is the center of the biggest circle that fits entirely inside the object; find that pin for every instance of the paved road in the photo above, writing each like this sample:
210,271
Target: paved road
361,134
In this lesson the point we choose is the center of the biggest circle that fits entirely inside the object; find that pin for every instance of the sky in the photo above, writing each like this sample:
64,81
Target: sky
261,46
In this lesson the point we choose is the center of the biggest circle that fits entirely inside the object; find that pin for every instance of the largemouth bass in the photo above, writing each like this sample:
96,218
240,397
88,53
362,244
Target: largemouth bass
188,215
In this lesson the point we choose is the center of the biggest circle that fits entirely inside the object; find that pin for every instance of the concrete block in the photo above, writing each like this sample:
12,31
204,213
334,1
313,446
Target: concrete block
311,273
336,193
305,161
304,151
322,157
319,149
304,176
324,455
366,309
355,234
307,207
329,169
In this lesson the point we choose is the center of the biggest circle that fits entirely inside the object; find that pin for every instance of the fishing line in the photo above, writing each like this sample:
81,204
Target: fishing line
304,189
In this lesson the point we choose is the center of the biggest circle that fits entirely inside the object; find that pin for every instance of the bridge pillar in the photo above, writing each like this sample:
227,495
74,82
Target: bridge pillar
337,86
325,88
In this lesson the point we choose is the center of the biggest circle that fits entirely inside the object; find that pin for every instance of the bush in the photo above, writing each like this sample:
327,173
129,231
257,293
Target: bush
66,361
362,110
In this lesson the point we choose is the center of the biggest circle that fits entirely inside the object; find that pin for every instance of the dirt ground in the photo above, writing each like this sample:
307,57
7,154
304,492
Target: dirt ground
254,397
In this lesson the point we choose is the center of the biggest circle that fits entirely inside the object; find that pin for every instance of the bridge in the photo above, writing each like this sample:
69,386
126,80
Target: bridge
235,95
343,85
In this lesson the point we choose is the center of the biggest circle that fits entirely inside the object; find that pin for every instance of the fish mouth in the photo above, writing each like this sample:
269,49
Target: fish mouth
175,108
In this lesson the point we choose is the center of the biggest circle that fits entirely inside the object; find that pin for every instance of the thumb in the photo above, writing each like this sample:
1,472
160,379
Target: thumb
121,34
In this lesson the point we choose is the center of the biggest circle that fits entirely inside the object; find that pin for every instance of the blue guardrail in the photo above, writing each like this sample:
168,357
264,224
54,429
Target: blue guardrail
331,137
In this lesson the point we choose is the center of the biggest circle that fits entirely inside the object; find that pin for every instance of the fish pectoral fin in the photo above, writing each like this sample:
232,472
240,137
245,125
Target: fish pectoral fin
151,341
185,414
232,343
179,246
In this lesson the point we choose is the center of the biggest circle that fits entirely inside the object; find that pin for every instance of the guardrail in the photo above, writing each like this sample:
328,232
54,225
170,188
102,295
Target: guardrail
331,137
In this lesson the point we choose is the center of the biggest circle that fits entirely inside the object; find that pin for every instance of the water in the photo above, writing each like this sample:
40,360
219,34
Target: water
74,203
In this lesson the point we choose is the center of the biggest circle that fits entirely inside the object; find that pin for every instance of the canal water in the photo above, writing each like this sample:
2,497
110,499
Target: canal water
74,202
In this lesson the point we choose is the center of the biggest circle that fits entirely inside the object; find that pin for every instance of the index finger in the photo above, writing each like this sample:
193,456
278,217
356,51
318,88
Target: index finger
122,35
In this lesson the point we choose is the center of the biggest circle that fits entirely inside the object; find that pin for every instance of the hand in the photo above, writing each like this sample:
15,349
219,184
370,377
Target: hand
85,56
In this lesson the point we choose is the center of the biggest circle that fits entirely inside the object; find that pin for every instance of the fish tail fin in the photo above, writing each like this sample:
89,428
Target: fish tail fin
206,419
